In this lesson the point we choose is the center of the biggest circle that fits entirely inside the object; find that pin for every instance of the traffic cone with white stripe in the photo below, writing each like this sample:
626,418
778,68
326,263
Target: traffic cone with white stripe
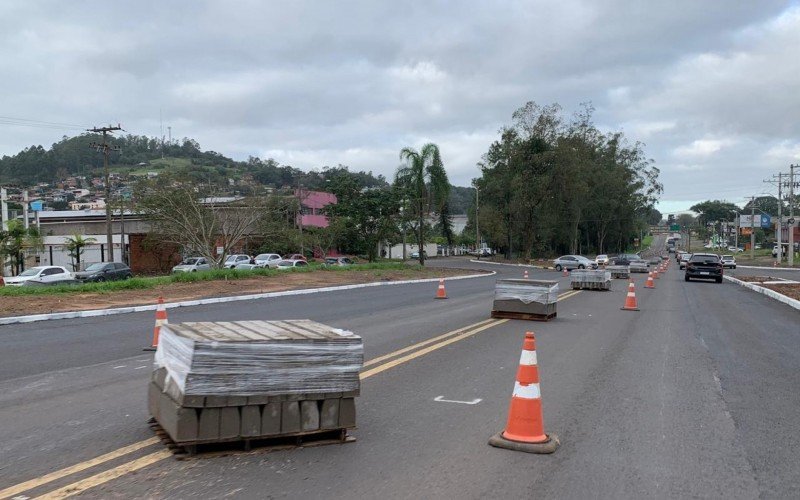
630,300
525,274
525,427
650,283
161,319
441,293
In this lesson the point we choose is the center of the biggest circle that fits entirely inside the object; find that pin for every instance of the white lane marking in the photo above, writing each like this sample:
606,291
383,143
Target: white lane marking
140,367
527,391
528,358
441,399
118,367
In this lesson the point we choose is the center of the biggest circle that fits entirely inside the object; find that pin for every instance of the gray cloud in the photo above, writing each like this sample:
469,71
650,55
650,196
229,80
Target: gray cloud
710,87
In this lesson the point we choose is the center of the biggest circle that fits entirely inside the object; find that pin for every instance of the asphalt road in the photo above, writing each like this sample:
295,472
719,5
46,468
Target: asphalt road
693,395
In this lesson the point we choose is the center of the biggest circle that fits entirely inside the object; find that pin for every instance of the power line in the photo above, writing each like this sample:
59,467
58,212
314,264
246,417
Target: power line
27,122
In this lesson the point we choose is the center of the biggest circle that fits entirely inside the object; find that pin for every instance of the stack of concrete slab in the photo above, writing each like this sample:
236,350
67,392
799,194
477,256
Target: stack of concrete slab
619,272
590,279
639,266
525,299
218,381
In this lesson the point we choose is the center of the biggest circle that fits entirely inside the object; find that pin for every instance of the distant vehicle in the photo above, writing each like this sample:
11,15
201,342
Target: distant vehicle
625,259
191,265
267,259
735,249
570,262
415,255
728,261
684,259
104,271
291,263
41,275
246,266
296,256
704,266
601,260
338,261
234,259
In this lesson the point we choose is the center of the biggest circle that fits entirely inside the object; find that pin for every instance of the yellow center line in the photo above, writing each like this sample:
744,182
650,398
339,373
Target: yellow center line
437,343
47,478
106,476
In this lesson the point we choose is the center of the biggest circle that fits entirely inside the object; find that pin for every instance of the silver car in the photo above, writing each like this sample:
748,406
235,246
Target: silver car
570,262
267,259
192,264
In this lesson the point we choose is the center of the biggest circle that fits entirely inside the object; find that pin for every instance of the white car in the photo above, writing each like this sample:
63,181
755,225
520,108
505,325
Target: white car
41,275
601,260
728,261
289,264
246,267
234,259
192,264
267,259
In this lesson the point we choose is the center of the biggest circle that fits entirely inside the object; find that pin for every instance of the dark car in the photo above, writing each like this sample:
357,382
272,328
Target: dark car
625,259
704,266
104,271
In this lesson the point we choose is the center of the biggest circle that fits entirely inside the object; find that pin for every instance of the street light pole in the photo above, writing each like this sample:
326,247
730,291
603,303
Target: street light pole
477,229
753,228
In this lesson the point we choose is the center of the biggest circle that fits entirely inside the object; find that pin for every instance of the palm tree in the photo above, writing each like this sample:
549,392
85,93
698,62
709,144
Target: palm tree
424,180
75,246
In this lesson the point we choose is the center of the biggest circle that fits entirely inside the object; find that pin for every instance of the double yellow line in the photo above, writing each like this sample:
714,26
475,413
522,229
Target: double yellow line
379,364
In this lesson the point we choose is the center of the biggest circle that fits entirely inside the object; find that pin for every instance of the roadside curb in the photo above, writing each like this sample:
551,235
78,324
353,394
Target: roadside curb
766,268
766,291
219,300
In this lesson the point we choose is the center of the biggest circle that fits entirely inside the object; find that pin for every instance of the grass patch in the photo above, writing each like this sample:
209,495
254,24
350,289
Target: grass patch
212,275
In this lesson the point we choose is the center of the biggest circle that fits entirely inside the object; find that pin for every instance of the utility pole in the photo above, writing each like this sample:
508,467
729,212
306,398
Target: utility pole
752,228
477,229
106,149
791,214
780,219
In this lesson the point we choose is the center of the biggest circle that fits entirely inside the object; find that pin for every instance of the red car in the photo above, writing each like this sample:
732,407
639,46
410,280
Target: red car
295,256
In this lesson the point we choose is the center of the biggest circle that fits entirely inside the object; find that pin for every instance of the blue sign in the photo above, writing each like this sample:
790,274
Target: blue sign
36,206
766,221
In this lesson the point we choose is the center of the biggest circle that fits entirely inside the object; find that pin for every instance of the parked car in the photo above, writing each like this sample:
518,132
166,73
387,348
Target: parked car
338,261
296,256
234,259
267,260
291,263
104,271
704,266
735,249
191,265
684,259
570,262
728,261
41,275
625,259
415,255
246,266
601,260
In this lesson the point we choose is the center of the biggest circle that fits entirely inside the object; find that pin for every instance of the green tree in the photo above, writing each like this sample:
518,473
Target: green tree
17,241
424,181
75,245
714,211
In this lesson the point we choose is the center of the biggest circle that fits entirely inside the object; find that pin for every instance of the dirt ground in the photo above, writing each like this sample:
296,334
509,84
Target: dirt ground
176,292
791,290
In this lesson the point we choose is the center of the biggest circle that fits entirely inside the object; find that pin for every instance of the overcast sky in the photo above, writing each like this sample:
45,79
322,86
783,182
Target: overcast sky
711,87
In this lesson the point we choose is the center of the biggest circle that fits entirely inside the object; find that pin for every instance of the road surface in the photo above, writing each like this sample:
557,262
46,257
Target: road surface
693,395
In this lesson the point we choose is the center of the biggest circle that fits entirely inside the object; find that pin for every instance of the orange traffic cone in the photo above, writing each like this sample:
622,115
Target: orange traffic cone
630,300
441,293
525,274
525,427
161,319
650,283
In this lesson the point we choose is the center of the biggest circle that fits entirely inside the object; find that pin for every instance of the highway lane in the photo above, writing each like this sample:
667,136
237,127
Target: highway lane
693,395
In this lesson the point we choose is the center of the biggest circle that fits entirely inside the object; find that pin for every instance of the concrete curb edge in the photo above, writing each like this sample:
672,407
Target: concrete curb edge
766,291
767,268
219,300
532,266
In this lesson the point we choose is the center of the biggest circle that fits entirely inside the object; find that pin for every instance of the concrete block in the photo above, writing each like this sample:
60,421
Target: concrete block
309,416
236,401
258,400
179,422
290,417
352,394
347,413
208,427
271,419
158,376
153,395
251,421
230,422
329,414
179,397
216,401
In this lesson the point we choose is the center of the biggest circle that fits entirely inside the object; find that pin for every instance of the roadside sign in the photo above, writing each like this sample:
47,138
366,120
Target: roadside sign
36,206
675,227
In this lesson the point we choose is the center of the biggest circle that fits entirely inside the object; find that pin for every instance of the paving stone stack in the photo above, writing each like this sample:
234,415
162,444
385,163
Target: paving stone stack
229,381
639,266
590,279
521,296
618,272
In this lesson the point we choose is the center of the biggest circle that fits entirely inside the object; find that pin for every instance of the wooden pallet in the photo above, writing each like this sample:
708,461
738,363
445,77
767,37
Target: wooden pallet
235,446
523,316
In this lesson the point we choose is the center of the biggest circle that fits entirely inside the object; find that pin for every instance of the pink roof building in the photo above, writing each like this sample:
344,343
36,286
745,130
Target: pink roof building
312,204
